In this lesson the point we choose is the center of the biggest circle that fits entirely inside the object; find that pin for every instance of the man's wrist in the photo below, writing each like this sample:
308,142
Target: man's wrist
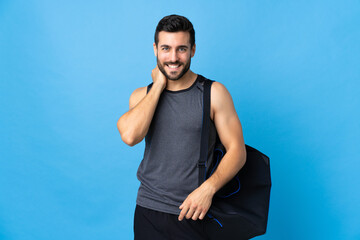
159,86
210,187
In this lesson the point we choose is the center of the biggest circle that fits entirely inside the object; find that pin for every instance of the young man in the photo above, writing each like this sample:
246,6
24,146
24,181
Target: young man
170,204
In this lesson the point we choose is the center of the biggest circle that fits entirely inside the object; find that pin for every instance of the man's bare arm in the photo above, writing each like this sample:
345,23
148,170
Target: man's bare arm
230,133
229,129
134,124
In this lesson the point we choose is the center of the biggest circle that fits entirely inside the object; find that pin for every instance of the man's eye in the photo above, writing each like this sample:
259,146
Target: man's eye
165,48
182,49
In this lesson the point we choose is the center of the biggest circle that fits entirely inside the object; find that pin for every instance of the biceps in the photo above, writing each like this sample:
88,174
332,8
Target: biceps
229,127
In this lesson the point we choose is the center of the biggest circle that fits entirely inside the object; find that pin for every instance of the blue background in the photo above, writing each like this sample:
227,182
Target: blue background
67,69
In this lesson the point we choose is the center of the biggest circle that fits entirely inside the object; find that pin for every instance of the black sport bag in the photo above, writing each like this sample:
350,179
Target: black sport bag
240,209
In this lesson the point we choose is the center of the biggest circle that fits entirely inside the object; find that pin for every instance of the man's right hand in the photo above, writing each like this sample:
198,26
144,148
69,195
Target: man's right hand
134,124
158,78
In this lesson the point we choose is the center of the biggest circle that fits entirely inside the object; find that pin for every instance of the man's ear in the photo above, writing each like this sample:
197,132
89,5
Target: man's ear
193,49
155,49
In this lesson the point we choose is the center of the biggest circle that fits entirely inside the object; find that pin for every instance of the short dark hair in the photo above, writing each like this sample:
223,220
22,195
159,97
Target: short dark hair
175,23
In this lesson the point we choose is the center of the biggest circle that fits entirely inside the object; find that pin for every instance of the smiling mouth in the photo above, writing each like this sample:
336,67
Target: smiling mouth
173,66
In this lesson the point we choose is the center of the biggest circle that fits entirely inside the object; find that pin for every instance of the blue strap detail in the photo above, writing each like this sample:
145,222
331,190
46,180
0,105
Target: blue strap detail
218,222
212,217
238,180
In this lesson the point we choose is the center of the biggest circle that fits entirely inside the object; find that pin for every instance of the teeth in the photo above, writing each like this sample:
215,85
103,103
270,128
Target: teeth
173,66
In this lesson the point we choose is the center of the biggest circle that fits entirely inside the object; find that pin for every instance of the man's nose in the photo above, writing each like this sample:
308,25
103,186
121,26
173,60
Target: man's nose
173,56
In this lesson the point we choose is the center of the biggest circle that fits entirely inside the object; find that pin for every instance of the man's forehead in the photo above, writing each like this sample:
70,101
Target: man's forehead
174,38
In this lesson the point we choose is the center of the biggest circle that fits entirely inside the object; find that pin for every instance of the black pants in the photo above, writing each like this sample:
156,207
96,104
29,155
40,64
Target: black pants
154,225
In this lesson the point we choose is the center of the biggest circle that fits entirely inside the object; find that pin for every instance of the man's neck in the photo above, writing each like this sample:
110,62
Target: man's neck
183,83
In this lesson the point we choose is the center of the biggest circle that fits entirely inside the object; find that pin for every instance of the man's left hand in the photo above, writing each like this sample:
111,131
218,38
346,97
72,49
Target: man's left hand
197,203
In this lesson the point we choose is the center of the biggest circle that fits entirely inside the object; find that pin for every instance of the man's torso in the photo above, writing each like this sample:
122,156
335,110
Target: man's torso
168,171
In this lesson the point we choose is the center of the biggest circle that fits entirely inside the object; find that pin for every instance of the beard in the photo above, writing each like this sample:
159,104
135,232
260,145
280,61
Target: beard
173,76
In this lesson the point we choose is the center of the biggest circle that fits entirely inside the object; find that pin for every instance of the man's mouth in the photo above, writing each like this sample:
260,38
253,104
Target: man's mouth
173,66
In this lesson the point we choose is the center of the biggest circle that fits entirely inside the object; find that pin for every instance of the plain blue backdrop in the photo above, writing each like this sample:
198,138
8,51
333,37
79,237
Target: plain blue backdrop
67,69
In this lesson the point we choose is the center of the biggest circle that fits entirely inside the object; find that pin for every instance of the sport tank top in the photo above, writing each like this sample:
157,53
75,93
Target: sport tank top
168,172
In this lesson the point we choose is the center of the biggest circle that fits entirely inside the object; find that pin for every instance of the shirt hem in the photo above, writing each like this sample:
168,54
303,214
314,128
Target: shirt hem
159,209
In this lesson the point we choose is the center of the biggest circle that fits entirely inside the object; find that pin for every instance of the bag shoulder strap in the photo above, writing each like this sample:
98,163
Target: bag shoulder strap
205,131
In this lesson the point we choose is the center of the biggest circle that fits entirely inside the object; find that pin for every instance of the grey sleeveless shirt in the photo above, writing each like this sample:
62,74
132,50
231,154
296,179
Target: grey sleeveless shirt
168,172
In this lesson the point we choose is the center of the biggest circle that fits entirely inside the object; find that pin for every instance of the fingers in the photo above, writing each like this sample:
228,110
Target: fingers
184,210
202,215
196,215
158,77
192,212
199,214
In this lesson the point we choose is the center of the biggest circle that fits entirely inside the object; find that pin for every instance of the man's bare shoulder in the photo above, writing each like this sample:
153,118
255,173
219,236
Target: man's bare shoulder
218,87
220,95
220,99
137,95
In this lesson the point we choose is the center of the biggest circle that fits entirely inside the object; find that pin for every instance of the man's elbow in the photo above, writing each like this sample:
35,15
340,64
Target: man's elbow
242,157
126,136
128,141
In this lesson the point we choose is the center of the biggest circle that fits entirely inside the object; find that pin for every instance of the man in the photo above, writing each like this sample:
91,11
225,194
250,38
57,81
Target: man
168,114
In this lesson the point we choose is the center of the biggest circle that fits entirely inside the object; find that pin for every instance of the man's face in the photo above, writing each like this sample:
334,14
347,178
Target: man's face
173,54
